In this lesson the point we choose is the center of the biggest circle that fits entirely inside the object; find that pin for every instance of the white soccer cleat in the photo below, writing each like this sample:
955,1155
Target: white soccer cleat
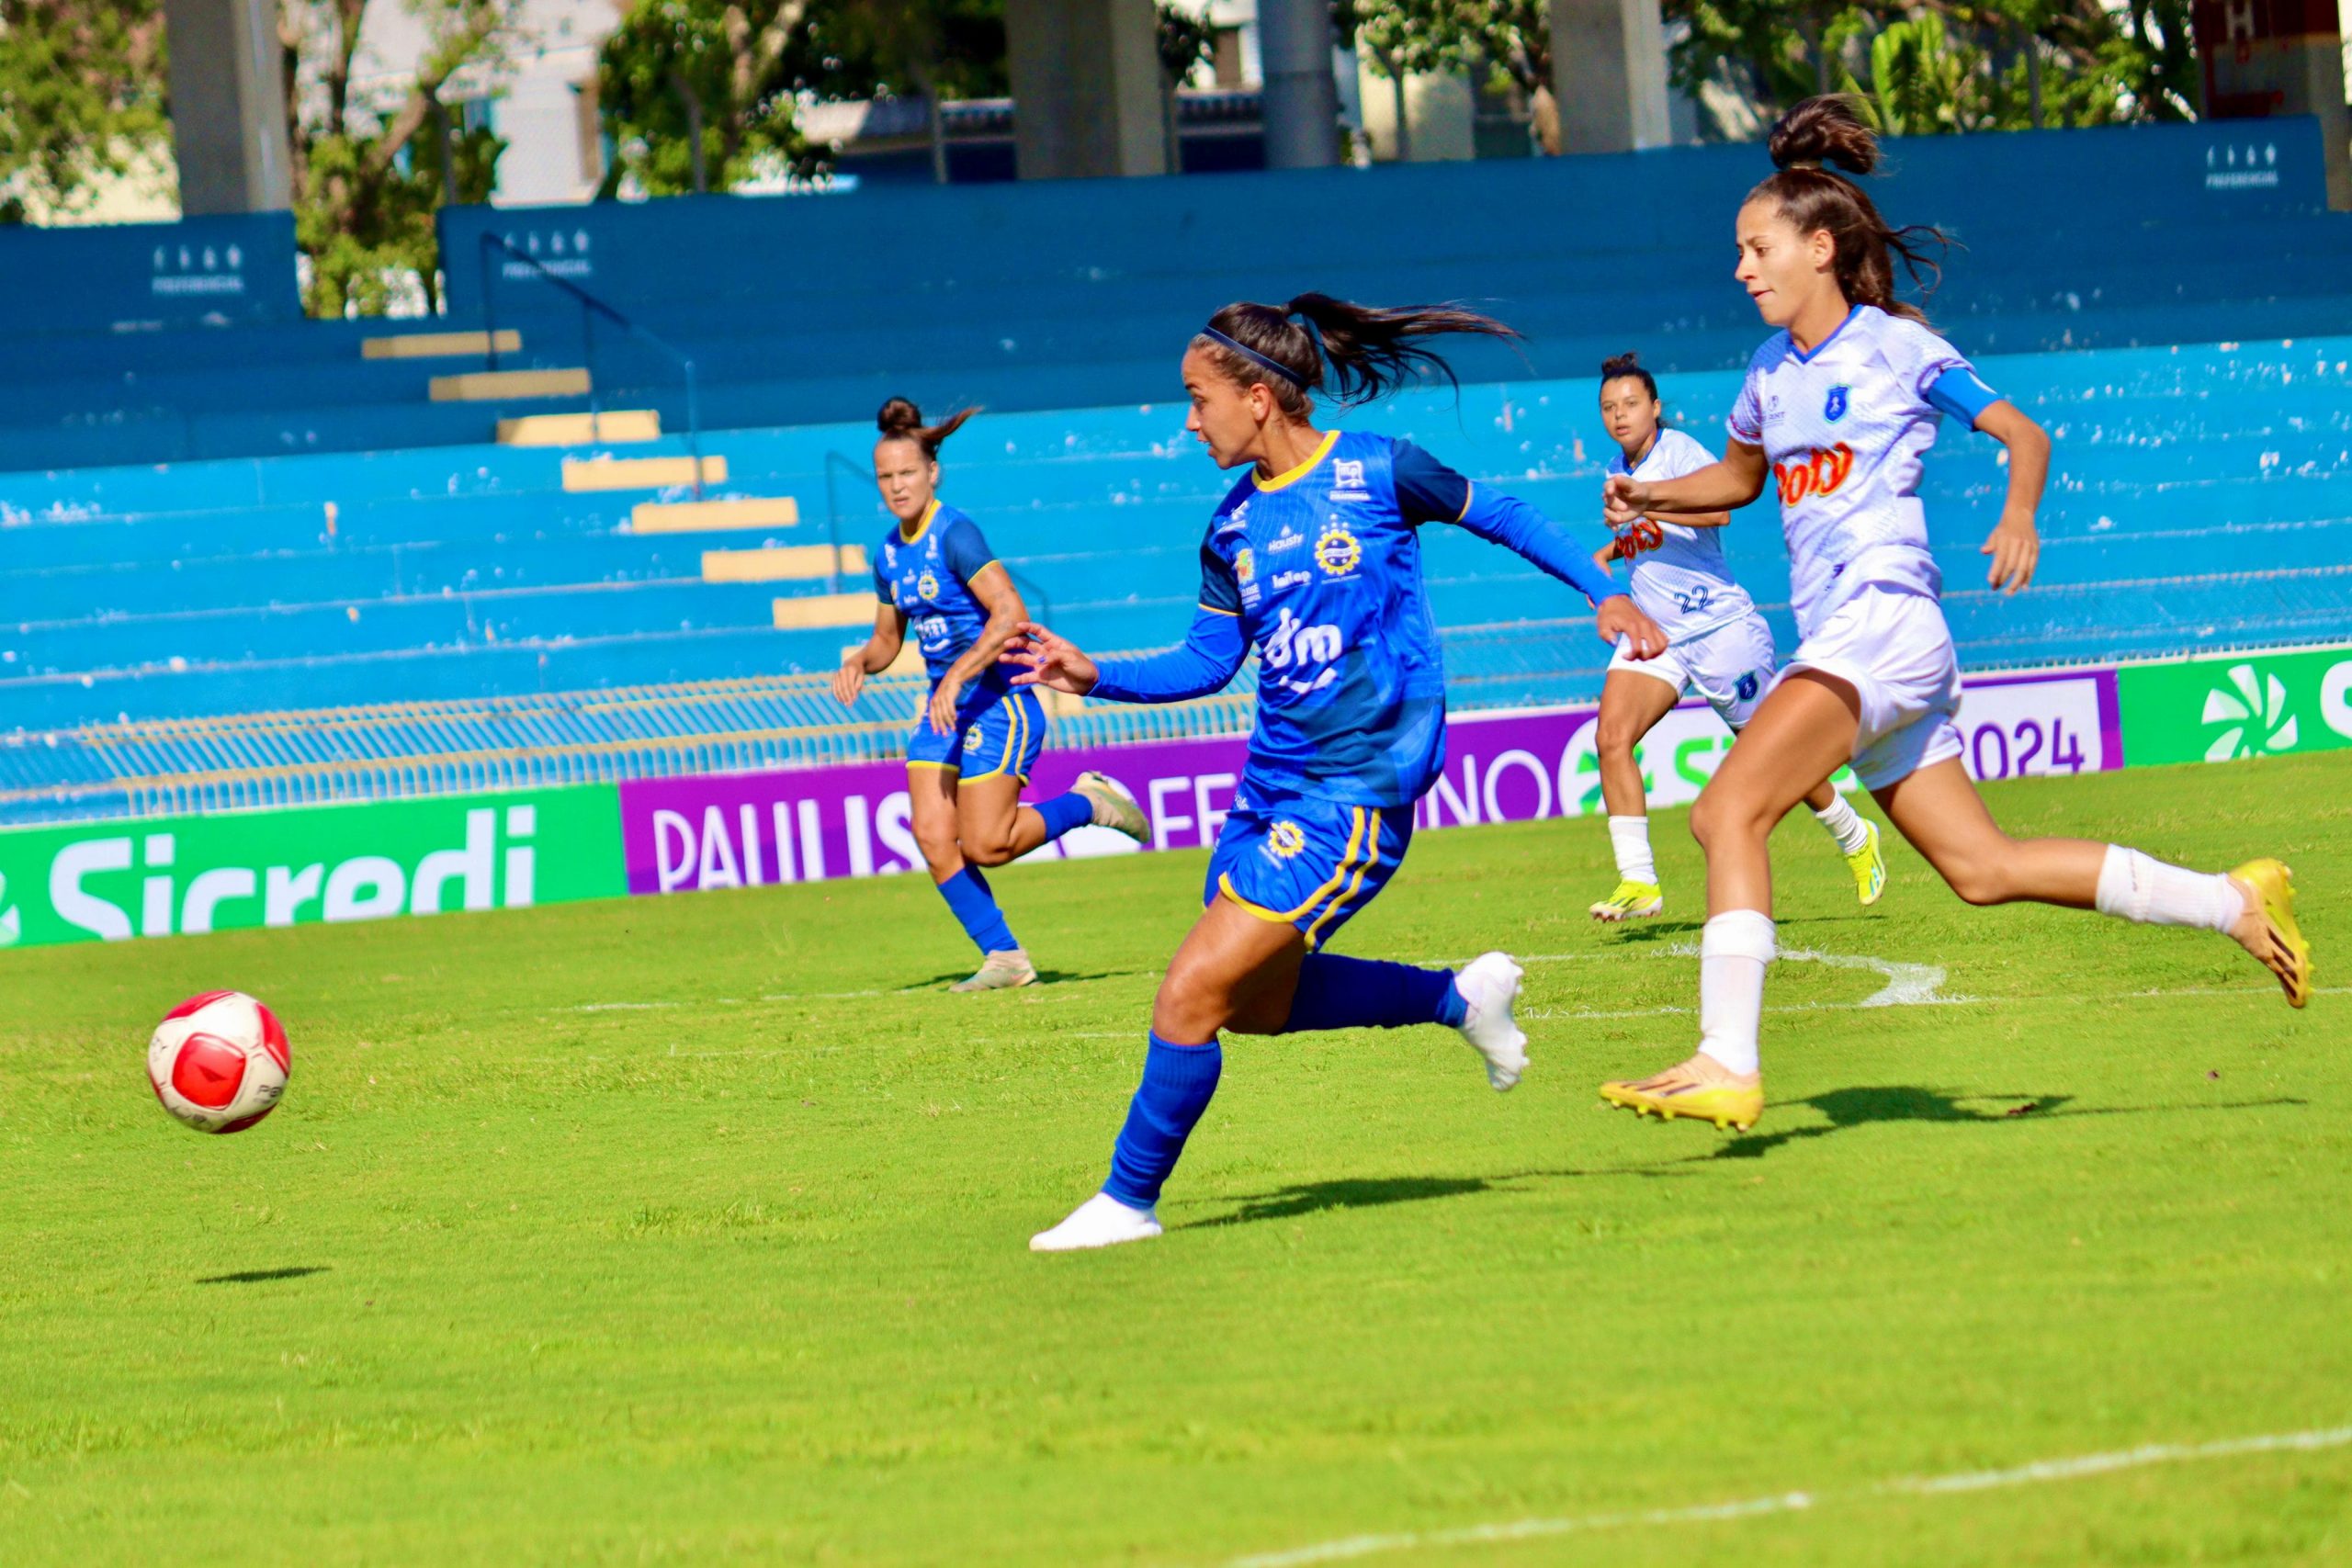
1489,983
1114,807
1101,1220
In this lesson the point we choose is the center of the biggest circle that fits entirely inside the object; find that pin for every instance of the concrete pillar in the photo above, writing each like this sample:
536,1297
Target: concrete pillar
1301,98
1609,75
228,106
1086,88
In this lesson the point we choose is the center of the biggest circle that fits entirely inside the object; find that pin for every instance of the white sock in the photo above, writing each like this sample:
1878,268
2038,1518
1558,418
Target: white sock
2140,888
1734,951
1630,836
1844,824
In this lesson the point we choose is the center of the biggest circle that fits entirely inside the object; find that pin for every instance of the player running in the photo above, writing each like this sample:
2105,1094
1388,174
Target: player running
1314,558
1838,408
977,739
1721,648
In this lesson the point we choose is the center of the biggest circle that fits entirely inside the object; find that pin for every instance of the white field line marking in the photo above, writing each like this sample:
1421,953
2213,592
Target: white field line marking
1792,1502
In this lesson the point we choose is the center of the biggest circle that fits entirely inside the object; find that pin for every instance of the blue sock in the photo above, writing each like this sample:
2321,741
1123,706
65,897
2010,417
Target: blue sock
1064,812
1364,993
968,894
1177,1081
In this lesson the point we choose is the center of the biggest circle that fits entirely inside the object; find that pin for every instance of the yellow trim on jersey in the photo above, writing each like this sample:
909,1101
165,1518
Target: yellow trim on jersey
1347,864
1469,489
1330,439
921,528
1315,931
1214,611
1016,740
944,767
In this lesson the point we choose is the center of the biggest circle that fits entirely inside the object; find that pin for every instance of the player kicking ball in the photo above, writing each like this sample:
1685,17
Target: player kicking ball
1718,645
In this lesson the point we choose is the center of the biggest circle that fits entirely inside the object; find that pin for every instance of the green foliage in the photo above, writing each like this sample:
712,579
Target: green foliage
1936,66
368,175
82,100
692,1230
743,65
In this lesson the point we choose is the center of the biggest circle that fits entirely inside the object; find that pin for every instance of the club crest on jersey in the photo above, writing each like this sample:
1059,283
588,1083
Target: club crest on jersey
1336,550
1819,474
1285,839
927,585
1244,567
1835,409
1748,686
972,739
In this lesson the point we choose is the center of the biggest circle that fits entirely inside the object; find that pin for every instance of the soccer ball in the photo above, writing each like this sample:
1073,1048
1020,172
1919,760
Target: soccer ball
219,1062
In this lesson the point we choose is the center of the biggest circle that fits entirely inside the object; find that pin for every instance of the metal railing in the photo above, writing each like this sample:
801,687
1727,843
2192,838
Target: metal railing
1040,607
493,244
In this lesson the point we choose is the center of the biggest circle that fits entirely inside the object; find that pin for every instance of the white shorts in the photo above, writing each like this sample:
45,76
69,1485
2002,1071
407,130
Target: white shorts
1730,666
1895,651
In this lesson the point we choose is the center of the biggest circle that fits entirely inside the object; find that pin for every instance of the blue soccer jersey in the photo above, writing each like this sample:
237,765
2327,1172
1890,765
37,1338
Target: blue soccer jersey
928,578
1319,568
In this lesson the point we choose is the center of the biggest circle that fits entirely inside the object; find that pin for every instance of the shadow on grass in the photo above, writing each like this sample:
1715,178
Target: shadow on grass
1905,1102
262,1276
1044,977
1372,1193
1657,931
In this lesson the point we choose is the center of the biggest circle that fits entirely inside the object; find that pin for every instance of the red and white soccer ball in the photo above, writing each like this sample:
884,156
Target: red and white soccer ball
219,1062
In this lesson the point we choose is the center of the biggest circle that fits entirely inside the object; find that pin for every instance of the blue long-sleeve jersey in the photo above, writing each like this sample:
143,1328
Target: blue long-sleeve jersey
1321,569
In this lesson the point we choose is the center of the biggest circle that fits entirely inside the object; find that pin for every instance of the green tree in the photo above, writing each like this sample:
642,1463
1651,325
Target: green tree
368,176
1413,38
82,101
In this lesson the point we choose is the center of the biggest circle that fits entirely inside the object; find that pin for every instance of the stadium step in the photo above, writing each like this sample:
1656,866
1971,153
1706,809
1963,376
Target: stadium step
611,428
781,563
714,516
438,346
825,610
639,473
499,386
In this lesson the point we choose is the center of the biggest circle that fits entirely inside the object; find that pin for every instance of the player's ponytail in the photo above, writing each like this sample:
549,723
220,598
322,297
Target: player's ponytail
1367,351
901,420
1812,196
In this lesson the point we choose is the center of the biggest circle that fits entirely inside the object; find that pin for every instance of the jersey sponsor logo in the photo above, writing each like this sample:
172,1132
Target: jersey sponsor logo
1236,520
931,629
1819,474
927,585
1834,408
1284,840
1289,538
1244,567
890,558
1294,645
1336,550
1291,579
1347,480
1640,535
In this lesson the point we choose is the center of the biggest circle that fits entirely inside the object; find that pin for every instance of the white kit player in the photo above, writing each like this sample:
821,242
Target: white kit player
1718,645
1839,406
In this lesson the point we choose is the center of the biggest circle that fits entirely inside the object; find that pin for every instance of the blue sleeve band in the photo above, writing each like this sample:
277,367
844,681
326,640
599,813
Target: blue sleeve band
1427,491
1512,523
1959,392
1210,658
965,551
1219,591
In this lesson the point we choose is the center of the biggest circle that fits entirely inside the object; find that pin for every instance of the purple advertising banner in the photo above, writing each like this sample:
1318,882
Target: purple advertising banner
805,825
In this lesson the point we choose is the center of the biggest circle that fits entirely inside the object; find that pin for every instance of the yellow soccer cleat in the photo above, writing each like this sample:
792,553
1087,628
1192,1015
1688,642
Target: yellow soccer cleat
1631,901
2279,944
1869,867
1700,1089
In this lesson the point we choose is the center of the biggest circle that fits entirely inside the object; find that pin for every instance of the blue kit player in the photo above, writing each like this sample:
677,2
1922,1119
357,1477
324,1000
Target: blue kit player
1314,559
977,737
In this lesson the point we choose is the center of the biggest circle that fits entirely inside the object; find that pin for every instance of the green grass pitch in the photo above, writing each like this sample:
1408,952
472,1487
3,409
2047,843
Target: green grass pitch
682,1231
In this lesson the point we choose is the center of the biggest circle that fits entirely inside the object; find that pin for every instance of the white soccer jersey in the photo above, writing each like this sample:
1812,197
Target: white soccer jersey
1846,427
1685,585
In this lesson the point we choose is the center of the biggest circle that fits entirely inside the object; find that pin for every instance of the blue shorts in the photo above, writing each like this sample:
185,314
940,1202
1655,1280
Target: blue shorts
1307,863
998,735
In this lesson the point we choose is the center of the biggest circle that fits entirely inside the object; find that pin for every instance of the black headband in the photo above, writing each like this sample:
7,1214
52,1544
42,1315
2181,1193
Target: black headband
1251,354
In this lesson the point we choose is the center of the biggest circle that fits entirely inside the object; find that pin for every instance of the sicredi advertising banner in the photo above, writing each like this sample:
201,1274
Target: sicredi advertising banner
806,825
2252,704
172,876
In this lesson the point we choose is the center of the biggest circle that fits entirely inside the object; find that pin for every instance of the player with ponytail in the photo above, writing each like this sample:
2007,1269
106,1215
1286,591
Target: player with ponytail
1839,409
1314,558
977,739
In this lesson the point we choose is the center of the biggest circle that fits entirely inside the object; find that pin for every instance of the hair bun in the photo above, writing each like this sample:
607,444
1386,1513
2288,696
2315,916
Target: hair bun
1616,364
1824,130
899,417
